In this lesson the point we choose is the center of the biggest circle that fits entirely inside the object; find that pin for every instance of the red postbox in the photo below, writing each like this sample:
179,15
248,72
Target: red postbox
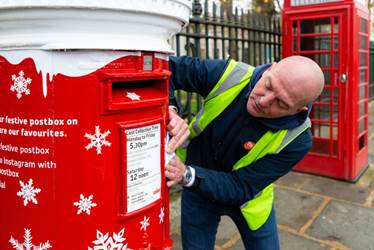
335,34
82,127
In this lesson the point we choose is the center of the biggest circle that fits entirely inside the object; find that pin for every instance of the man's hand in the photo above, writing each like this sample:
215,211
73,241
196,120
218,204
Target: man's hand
178,130
174,171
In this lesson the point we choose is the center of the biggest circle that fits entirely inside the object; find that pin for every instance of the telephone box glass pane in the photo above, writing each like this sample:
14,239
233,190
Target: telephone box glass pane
315,43
327,79
361,126
363,42
362,75
294,44
315,26
322,131
294,27
326,93
363,59
322,112
363,26
336,25
362,92
335,132
322,59
336,43
336,60
362,108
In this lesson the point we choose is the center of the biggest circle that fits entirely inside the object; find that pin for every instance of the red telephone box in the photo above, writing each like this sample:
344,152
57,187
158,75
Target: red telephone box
84,108
335,34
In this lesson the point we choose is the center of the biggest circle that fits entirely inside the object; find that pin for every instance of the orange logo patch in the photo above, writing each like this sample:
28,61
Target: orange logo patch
248,145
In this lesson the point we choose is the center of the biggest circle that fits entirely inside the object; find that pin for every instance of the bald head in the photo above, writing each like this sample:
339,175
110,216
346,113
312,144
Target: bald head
286,88
304,75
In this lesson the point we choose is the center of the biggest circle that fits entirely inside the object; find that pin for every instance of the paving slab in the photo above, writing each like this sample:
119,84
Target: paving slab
237,246
177,242
293,179
353,226
371,147
290,241
295,209
337,189
226,230
367,180
371,159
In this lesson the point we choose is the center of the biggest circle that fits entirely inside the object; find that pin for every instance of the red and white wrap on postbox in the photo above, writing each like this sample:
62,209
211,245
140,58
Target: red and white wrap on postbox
83,114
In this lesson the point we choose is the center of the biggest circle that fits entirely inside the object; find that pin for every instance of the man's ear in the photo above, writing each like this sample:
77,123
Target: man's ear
302,109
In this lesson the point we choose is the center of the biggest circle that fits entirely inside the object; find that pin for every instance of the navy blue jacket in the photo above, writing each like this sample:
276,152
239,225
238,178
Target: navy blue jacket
215,151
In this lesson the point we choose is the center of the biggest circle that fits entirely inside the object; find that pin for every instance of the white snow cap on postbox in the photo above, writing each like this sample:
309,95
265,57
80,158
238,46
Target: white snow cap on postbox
141,25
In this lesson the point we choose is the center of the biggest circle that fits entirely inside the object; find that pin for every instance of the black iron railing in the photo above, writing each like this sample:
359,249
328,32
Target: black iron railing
371,73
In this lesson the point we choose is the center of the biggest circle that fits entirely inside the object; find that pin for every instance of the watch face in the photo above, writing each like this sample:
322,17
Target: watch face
187,176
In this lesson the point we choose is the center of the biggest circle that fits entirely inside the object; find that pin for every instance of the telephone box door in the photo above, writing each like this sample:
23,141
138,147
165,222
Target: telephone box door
322,37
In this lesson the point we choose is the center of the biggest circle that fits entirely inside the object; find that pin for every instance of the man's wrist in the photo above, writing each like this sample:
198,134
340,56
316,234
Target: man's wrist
189,176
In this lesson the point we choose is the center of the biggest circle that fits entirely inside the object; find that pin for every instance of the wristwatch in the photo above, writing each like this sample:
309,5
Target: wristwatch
187,175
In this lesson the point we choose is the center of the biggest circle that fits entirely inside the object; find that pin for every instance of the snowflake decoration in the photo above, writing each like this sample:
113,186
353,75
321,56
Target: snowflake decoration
85,204
28,192
98,140
144,223
104,242
133,96
20,84
161,215
27,244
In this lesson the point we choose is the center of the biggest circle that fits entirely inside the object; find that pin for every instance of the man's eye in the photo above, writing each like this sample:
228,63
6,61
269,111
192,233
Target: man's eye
268,86
282,104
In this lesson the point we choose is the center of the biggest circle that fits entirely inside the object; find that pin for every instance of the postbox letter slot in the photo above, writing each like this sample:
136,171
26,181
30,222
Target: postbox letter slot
135,94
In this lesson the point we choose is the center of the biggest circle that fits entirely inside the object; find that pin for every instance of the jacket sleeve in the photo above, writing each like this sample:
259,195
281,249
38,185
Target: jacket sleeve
194,74
237,187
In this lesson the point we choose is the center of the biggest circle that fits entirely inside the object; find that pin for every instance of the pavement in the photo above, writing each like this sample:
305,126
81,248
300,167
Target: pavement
313,213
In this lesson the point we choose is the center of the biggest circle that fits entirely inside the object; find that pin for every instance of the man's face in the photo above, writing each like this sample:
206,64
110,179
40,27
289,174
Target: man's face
274,96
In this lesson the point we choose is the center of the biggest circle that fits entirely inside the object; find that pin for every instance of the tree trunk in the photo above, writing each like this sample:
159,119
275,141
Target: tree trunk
265,7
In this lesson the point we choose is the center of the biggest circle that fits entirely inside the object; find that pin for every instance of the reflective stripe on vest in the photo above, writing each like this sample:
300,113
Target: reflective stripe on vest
236,76
232,82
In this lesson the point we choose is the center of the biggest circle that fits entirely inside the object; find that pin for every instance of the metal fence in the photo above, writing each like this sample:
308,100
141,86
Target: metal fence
371,82
218,33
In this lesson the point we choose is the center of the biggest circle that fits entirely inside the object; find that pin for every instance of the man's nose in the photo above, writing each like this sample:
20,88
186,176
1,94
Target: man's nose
266,100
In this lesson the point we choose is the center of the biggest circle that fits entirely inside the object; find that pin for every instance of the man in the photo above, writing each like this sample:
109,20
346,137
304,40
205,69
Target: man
253,129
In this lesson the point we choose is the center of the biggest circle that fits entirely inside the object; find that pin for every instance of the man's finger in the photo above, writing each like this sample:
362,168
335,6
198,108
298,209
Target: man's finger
172,183
171,164
172,124
184,135
177,140
175,130
172,145
169,174
172,113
